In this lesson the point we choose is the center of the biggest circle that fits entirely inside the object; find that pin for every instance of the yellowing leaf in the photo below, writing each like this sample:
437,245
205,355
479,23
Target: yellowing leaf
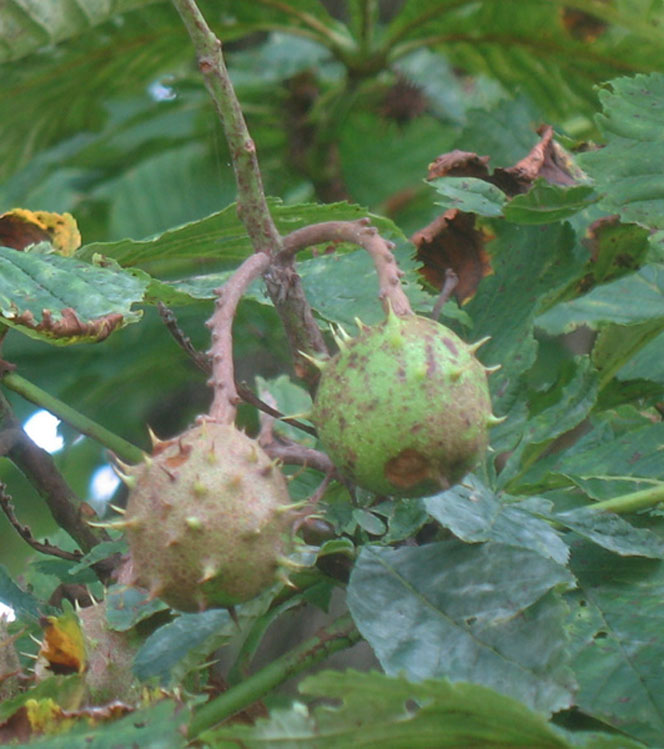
63,646
20,228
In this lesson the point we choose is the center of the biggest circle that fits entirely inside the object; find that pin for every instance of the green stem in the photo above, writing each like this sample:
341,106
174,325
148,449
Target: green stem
339,635
120,447
632,502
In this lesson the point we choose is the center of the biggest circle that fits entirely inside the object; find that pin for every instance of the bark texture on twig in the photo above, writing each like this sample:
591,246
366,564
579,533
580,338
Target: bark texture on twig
38,467
252,206
284,286
26,534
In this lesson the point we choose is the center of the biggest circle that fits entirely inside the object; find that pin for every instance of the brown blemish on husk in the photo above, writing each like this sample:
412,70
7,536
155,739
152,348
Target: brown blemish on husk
407,469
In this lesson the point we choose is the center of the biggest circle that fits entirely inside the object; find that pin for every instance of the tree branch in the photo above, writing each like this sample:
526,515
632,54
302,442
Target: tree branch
38,467
119,446
252,206
338,635
26,534
284,286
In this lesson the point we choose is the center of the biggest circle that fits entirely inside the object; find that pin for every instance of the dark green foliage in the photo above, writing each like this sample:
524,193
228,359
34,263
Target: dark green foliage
526,598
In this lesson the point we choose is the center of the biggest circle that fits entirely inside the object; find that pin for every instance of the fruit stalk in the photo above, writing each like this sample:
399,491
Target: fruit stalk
360,233
226,398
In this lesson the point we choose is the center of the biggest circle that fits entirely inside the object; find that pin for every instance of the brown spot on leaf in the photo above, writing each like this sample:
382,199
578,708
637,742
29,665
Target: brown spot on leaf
407,469
453,241
69,325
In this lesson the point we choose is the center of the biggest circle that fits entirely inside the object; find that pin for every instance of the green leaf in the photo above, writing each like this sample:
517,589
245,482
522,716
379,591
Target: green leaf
626,170
616,345
374,710
534,52
369,522
616,622
469,194
222,235
25,27
188,634
553,413
343,287
522,258
614,465
23,603
474,513
479,613
127,606
612,532
545,203
630,300
182,644
63,300
101,551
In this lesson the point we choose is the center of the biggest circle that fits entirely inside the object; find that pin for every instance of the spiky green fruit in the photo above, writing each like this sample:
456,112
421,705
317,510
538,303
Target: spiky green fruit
403,409
207,519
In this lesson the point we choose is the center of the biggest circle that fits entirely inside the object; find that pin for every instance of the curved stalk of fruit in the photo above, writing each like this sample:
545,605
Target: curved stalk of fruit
226,398
361,233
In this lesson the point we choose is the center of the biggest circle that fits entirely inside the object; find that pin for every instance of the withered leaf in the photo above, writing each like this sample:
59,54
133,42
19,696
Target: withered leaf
20,228
69,326
546,160
453,241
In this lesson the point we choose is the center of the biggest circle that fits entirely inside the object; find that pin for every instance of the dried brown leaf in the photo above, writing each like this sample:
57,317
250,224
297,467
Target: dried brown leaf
453,241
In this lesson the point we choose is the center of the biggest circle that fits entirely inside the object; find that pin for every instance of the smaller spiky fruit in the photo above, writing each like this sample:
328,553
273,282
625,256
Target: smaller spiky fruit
403,409
207,519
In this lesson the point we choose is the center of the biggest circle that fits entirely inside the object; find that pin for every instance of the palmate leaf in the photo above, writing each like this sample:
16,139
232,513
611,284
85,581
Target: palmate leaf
626,170
63,300
616,622
26,27
50,98
534,51
375,710
483,613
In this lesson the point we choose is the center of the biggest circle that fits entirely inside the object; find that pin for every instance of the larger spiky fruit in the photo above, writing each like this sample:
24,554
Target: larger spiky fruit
404,408
207,519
